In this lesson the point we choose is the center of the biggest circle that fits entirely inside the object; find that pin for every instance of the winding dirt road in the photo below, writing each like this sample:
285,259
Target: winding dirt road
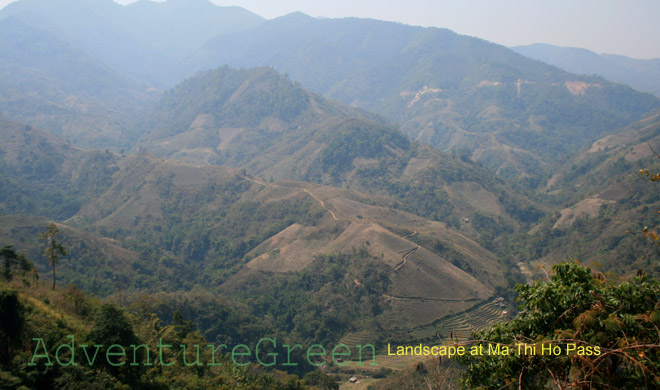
405,258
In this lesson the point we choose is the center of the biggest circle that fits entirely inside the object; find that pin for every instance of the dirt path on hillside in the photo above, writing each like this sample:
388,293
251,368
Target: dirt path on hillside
322,204
429,299
405,258
257,181
407,252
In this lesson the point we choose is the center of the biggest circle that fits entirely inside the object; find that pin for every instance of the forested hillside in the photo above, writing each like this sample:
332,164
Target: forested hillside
146,226
38,325
192,174
603,204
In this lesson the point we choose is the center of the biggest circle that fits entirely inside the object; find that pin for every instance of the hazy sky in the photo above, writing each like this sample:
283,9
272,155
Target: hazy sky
627,27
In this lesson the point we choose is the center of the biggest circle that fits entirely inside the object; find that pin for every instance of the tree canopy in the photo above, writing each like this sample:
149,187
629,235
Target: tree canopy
613,328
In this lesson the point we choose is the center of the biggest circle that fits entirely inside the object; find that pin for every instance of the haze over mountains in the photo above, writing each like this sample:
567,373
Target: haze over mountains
643,75
143,39
331,178
451,91
438,85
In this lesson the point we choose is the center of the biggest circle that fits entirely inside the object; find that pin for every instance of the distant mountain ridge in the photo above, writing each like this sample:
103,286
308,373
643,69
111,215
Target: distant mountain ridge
83,69
445,89
143,39
517,116
52,84
643,75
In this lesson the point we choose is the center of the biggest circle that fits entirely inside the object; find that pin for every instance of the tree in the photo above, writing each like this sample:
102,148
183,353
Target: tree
113,327
613,329
12,322
181,326
54,248
10,258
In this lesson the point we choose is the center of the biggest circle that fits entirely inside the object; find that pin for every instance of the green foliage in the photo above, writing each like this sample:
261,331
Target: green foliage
23,316
322,302
522,210
12,323
217,92
576,306
111,327
10,258
13,262
354,138
489,229
181,326
320,380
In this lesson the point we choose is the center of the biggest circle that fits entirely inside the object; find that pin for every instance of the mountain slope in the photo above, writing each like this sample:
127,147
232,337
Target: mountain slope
208,117
142,40
449,90
93,263
643,75
177,227
51,84
603,205
46,176
258,120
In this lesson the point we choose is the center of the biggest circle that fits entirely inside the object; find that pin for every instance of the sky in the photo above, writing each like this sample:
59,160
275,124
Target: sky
627,27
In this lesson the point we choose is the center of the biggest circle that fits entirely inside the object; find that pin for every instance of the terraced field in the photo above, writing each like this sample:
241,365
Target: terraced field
457,327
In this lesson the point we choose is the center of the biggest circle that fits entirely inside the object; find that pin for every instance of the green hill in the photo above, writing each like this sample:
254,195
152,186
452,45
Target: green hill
170,226
46,176
259,120
48,337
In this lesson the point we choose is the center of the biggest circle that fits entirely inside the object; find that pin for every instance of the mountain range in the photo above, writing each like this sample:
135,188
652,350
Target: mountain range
445,89
316,179
642,75
451,91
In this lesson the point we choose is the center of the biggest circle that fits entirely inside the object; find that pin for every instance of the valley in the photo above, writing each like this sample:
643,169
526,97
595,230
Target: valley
223,178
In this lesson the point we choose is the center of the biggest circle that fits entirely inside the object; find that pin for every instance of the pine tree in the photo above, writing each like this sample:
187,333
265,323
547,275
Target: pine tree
54,248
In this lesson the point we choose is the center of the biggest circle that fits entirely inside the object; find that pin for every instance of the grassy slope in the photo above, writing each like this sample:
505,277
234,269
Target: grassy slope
602,205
